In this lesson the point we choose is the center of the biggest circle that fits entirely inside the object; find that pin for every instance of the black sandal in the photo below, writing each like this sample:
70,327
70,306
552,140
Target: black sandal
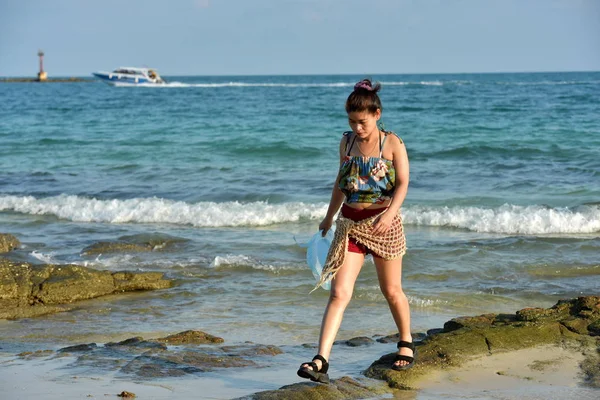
410,360
312,371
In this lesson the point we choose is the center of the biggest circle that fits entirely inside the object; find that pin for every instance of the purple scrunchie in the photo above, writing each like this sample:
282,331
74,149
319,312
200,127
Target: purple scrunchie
363,85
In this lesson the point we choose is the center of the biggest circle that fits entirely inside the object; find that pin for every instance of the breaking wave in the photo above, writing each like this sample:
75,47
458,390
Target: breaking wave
506,219
509,219
157,210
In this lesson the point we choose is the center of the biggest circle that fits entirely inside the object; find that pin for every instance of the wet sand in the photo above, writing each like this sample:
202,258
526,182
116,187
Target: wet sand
546,372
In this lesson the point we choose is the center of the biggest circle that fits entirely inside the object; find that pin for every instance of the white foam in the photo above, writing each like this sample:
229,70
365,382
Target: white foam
232,260
241,84
117,262
425,303
241,260
551,83
508,219
156,210
269,84
45,258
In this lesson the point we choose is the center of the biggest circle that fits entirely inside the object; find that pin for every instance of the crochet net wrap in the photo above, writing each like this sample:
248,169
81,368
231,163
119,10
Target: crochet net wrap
388,246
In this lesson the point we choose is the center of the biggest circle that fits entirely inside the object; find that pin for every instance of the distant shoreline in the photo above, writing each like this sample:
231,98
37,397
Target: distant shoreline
49,80
172,76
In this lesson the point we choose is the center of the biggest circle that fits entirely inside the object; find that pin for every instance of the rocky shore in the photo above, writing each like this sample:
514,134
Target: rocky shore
571,326
31,290
28,290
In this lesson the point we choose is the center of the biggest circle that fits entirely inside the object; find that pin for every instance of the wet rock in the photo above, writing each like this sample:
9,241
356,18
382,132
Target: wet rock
464,338
134,244
8,242
190,337
208,361
594,328
138,343
577,325
434,331
173,364
35,354
132,281
481,321
115,247
417,336
383,339
342,388
149,367
126,395
30,290
535,314
99,359
359,341
504,319
78,348
151,359
252,351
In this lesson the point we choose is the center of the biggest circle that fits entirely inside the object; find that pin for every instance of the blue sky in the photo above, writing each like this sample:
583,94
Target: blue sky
257,37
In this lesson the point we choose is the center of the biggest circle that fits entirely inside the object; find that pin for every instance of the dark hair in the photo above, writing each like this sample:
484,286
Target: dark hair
364,97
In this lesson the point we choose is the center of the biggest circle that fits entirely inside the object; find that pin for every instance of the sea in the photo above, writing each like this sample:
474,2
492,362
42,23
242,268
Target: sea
228,176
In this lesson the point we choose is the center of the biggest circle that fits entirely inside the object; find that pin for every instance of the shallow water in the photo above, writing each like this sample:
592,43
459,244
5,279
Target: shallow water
230,172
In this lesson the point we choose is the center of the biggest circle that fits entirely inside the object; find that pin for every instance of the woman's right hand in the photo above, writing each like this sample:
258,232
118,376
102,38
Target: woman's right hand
325,225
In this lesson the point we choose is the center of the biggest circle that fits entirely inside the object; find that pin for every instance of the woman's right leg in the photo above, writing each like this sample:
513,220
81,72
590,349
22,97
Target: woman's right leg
342,287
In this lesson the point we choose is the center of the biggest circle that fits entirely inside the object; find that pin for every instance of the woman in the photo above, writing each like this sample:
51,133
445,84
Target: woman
370,187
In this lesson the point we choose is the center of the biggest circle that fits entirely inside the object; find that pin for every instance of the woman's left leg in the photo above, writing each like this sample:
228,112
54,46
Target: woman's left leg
389,273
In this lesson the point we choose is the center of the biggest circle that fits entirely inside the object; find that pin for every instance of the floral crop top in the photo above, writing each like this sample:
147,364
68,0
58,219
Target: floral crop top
367,179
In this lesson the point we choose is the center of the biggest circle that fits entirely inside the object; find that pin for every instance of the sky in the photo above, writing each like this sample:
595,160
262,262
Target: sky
291,37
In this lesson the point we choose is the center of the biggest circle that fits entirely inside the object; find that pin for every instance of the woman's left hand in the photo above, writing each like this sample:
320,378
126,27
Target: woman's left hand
383,223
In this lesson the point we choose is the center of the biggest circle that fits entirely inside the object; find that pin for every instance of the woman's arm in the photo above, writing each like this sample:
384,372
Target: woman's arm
337,196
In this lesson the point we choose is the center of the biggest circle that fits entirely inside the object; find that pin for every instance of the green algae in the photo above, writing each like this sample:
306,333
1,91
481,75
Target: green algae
338,389
465,338
8,242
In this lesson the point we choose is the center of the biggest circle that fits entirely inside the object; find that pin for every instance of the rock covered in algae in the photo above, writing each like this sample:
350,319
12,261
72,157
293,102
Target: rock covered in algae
134,244
28,290
8,242
465,338
338,389
572,323
190,337
153,359
116,247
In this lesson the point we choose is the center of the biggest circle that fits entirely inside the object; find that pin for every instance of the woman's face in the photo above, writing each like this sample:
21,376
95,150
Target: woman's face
363,123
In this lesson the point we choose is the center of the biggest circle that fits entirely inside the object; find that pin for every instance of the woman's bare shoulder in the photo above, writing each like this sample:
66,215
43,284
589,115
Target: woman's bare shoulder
394,138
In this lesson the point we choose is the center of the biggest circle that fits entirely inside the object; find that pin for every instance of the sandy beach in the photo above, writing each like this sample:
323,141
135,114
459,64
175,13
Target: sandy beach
546,372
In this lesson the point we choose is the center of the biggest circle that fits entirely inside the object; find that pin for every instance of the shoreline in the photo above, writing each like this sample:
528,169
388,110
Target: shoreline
543,372
49,80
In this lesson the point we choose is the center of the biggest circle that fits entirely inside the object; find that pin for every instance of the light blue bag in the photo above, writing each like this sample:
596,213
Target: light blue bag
316,253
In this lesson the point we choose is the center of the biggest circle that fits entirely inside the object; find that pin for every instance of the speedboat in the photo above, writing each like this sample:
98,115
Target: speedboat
130,76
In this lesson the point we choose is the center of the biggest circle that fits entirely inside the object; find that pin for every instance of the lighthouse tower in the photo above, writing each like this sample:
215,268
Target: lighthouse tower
42,75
